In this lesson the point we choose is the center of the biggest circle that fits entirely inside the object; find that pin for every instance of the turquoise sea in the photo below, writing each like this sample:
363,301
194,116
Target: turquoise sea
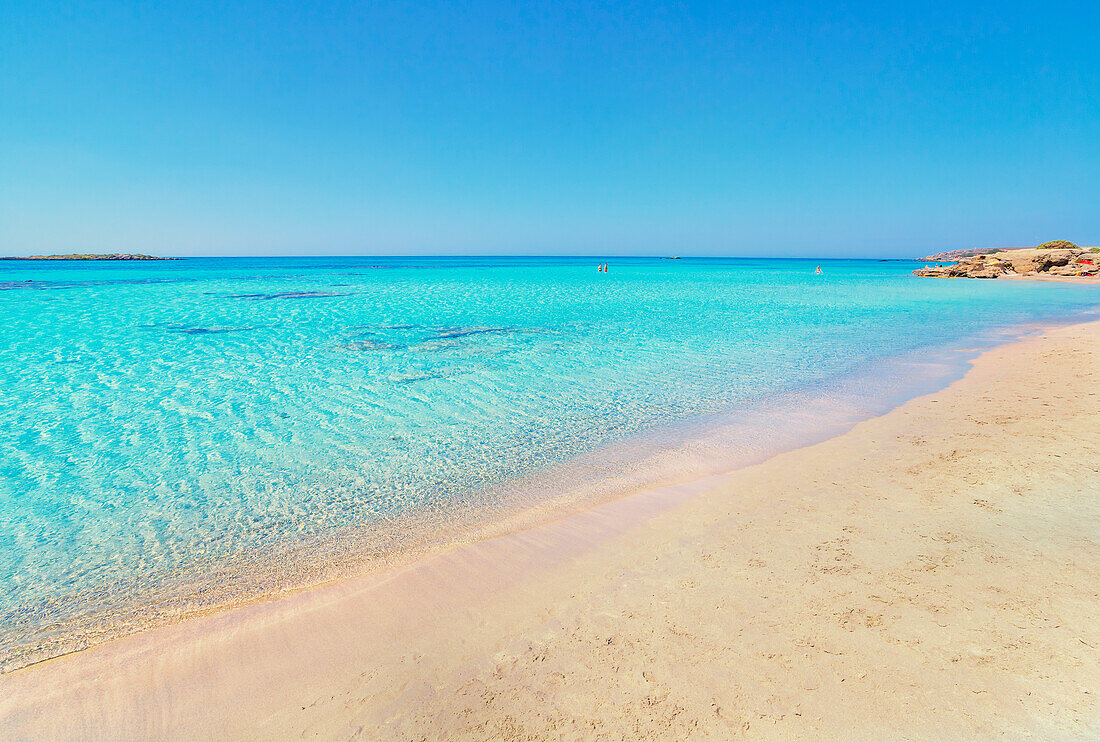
175,434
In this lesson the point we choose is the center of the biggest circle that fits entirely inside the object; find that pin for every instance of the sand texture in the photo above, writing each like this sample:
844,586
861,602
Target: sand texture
932,574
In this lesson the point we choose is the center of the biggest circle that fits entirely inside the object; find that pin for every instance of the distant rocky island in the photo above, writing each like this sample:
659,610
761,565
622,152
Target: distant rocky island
1058,258
112,256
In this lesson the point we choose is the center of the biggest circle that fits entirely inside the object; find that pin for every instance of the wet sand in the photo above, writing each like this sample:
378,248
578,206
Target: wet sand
933,573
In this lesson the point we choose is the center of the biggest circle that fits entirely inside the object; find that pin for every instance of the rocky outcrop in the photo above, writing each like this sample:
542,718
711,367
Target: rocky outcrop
113,256
977,267
1025,262
1044,261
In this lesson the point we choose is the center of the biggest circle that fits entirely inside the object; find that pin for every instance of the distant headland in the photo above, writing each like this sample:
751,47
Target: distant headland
113,256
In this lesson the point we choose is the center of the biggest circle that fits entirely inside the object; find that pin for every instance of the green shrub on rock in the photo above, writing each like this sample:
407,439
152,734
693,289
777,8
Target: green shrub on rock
1058,245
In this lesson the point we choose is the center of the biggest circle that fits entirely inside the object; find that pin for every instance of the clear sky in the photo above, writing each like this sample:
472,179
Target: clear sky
783,128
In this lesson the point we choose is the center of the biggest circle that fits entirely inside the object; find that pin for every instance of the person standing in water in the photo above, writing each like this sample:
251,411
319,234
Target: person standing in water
817,271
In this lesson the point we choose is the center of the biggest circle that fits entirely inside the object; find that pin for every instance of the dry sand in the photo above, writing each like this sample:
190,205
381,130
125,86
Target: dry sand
932,574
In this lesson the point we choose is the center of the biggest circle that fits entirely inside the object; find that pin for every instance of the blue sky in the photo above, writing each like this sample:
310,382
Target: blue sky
232,128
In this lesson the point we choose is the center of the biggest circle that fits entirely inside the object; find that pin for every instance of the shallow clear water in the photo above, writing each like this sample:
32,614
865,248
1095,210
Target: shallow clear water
158,416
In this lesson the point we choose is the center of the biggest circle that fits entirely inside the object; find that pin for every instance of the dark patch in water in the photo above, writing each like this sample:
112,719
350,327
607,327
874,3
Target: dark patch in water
452,333
289,295
192,330
373,329
422,377
208,330
372,345
420,338
46,285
